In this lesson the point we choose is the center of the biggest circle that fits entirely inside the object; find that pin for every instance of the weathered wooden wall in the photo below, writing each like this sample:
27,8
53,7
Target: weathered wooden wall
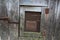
52,22
49,23
10,9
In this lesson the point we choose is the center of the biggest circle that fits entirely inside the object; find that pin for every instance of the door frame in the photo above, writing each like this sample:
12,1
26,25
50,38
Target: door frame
22,19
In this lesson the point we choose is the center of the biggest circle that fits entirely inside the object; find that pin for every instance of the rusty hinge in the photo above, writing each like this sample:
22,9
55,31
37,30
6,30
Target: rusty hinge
46,10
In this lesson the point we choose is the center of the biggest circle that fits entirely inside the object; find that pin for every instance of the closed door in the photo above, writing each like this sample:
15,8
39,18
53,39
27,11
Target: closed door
32,21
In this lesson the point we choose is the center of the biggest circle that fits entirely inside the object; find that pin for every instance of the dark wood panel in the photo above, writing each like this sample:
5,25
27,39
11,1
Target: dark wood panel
32,21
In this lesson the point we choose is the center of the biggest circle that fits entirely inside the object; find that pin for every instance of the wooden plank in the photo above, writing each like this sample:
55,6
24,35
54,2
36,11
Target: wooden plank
31,6
13,22
7,19
3,18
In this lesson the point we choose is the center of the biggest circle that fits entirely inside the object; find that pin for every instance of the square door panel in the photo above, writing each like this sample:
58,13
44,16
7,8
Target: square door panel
31,26
32,21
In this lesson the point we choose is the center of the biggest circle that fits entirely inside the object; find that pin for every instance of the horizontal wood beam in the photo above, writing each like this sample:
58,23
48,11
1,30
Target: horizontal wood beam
13,22
3,18
32,6
7,19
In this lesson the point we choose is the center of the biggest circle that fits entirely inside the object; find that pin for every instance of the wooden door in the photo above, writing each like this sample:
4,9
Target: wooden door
32,21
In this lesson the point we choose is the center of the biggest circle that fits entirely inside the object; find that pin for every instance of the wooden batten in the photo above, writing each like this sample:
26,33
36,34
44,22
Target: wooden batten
7,19
13,22
32,6
3,18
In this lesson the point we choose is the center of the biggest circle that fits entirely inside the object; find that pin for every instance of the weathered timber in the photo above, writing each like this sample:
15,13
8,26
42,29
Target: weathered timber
10,22
32,6
7,19
3,18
